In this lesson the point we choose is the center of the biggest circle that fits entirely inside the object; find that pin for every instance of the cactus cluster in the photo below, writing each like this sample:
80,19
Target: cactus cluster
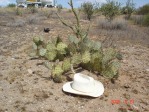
80,51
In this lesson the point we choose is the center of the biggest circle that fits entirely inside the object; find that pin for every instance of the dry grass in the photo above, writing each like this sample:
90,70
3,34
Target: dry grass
137,19
115,33
116,24
16,23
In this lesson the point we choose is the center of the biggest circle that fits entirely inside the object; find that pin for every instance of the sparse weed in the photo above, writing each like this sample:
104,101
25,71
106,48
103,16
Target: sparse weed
48,13
19,12
33,10
32,19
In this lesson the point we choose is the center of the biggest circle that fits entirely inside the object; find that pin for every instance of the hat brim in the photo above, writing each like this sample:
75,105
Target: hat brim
98,89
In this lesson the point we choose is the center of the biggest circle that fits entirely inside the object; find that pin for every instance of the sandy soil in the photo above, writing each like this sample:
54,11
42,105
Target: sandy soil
25,84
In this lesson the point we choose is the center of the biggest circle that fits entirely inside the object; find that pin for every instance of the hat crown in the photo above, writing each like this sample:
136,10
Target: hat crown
83,83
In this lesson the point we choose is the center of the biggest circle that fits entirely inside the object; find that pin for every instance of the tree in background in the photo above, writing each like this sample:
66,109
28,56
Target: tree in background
129,8
11,5
143,10
110,9
88,9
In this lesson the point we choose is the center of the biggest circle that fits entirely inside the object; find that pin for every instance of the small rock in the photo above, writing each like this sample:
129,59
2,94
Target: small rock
126,86
135,107
147,70
50,93
124,61
1,89
106,94
135,91
101,98
30,71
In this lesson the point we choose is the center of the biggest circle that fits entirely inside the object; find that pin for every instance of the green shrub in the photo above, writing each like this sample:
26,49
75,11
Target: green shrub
143,10
88,9
110,9
11,5
146,20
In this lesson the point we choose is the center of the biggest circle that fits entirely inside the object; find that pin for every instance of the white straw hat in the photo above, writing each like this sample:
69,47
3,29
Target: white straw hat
84,85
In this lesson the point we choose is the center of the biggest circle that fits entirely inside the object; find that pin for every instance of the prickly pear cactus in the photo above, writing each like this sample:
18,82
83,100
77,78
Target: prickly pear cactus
66,64
96,46
50,47
86,57
35,46
81,51
96,55
57,78
112,70
37,40
83,47
73,39
109,54
76,59
72,48
57,72
61,47
51,55
42,52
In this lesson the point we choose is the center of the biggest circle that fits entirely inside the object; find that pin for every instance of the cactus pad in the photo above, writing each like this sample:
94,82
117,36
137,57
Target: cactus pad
51,55
36,39
57,70
72,48
42,52
66,64
109,55
86,57
50,47
76,59
61,47
112,70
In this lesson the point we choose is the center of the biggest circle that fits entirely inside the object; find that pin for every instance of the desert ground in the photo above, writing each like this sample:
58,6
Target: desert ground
25,83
